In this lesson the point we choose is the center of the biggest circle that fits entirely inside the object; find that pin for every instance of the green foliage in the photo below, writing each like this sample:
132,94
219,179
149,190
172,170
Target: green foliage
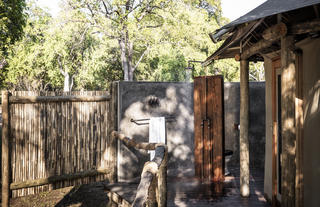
25,60
256,71
229,68
52,47
92,43
100,68
183,37
170,68
128,22
12,20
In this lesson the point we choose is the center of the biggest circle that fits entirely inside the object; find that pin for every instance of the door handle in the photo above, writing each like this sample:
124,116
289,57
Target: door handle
202,123
206,120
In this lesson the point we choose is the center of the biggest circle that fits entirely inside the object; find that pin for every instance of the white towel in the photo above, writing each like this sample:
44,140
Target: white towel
157,132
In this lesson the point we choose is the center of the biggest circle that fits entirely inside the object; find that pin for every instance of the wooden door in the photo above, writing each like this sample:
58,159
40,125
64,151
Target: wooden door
209,128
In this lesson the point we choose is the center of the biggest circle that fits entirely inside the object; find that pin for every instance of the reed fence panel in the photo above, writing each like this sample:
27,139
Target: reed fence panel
52,138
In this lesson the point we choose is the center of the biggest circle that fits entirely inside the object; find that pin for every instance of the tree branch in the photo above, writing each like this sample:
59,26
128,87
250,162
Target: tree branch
60,66
105,7
154,26
143,54
3,63
82,38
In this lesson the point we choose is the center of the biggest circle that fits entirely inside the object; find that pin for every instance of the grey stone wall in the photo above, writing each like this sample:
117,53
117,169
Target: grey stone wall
176,100
256,122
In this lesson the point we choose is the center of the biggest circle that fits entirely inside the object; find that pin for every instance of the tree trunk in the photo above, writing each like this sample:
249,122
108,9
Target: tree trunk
124,60
3,63
244,126
126,54
68,82
130,54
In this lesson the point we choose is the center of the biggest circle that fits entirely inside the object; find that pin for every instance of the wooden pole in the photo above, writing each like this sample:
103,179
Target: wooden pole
146,188
244,127
162,181
132,143
113,125
58,178
299,132
5,150
288,131
43,99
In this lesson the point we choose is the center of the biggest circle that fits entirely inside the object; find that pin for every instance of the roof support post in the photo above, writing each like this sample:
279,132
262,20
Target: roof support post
299,130
288,132
244,128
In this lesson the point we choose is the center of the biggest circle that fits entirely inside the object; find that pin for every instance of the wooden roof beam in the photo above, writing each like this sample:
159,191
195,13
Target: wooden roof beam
316,11
275,32
270,35
305,27
255,49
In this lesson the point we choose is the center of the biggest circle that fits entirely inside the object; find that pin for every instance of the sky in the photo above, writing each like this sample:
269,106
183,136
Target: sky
234,9
231,9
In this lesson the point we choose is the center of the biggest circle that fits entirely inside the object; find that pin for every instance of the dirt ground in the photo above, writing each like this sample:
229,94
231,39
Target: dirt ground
93,195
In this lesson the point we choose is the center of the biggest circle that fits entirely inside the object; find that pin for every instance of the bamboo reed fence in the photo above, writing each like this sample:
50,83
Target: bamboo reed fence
52,140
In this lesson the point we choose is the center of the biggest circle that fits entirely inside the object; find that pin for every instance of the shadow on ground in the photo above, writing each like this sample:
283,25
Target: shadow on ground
182,192
88,195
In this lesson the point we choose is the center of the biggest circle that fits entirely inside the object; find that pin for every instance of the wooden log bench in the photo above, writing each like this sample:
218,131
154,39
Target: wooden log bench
152,189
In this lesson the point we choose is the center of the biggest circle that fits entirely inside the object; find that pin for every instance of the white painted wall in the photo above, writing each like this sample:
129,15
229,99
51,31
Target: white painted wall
311,99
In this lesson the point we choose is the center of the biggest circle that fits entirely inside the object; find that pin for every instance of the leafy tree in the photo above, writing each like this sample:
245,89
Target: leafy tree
101,67
48,49
183,37
61,53
82,48
256,71
12,20
125,21
67,45
170,68
26,64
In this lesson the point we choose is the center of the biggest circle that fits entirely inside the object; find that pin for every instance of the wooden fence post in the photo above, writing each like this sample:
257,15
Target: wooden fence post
244,128
113,117
5,150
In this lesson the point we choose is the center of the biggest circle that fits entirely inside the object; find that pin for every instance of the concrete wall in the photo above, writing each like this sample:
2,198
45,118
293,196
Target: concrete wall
176,99
311,100
256,122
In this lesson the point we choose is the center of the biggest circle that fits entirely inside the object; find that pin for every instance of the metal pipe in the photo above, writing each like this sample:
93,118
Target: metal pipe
137,121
